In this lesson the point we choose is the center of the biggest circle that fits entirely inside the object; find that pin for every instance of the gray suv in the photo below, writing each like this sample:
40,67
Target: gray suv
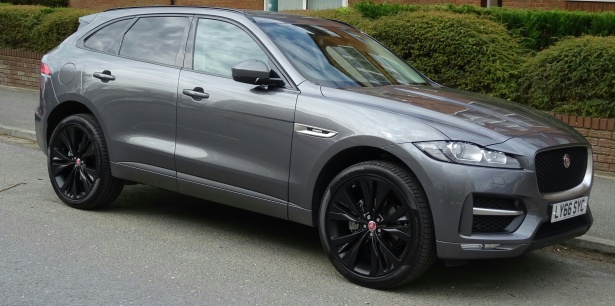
312,121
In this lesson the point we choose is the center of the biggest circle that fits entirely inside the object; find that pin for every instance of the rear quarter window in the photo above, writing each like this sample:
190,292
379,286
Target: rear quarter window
103,39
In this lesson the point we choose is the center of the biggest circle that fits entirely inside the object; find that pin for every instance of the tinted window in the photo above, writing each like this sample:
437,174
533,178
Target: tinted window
220,45
155,39
339,57
105,37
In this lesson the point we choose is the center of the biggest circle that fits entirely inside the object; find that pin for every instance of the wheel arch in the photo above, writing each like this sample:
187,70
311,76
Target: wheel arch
342,160
62,111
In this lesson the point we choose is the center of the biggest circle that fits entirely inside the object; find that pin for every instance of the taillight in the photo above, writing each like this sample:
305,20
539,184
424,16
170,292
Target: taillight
45,69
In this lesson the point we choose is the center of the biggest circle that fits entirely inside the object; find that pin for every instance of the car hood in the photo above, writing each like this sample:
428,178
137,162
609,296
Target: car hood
460,115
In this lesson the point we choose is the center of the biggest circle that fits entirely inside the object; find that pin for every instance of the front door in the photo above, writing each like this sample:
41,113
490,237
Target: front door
238,138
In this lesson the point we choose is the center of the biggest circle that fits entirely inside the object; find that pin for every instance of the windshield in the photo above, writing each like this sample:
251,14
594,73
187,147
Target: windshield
340,57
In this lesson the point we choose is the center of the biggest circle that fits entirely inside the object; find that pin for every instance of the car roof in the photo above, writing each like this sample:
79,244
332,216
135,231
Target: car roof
256,16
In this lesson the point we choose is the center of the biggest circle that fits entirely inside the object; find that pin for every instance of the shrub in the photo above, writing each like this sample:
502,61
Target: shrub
36,28
18,24
460,51
56,27
49,3
576,75
538,28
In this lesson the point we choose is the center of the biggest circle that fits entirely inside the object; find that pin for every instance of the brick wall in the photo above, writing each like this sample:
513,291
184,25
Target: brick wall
105,4
590,6
239,4
19,68
535,4
601,135
456,2
258,4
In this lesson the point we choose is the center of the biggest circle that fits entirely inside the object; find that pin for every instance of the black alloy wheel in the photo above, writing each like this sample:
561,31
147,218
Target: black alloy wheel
78,163
375,225
74,162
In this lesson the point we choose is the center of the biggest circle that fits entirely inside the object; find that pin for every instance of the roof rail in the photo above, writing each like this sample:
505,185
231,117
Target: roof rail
181,6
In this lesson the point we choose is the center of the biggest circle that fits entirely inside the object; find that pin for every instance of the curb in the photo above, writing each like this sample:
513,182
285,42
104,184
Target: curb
17,133
583,242
592,243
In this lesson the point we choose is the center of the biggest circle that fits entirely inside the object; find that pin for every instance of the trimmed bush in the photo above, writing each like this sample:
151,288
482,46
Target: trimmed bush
49,3
461,51
18,24
539,28
37,28
574,76
56,27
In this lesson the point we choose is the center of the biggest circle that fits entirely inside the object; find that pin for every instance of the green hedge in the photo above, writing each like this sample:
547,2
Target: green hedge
538,28
460,51
37,28
574,76
49,3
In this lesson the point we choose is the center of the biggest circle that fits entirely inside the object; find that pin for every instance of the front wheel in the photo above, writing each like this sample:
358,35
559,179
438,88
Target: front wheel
78,164
375,225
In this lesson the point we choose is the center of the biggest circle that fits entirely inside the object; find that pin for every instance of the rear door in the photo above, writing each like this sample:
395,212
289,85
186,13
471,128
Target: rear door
239,137
132,82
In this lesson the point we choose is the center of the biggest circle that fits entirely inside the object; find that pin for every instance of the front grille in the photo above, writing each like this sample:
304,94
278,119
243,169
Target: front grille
491,224
548,229
494,224
551,173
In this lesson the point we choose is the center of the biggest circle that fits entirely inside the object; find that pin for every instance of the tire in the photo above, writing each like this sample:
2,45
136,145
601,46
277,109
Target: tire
380,243
78,164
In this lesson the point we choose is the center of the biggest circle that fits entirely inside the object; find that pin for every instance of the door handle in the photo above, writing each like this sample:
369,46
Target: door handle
197,93
104,76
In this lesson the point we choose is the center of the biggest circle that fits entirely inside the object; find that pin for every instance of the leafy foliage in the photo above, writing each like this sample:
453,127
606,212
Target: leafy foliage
460,51
576,75
37,28
538,28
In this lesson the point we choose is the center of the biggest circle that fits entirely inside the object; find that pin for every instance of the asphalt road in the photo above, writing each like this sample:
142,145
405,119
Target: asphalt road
155,247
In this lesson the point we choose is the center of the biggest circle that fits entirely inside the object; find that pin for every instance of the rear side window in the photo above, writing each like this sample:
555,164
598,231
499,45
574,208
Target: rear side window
155,39
104,38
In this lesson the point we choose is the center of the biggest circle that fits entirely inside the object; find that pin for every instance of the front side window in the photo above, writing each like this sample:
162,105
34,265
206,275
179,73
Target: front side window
155,39
339,56
220,45
103,39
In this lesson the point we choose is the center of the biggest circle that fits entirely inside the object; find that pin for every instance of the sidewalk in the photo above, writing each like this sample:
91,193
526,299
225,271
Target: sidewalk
17,112
17,119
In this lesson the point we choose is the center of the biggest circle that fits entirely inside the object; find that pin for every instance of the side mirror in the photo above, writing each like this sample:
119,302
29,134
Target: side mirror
254,72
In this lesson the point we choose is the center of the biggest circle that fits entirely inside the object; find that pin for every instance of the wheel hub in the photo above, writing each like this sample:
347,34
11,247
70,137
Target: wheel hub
78,162
371,225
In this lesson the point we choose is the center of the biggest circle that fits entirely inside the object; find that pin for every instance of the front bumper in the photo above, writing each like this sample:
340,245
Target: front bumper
451,190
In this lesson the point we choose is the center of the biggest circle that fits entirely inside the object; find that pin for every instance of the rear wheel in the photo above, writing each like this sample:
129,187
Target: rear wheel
375,225
78,164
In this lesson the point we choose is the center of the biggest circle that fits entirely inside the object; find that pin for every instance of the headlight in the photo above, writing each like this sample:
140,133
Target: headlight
467,153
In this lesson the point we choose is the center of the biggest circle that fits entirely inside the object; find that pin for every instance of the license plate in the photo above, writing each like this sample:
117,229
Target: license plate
565,210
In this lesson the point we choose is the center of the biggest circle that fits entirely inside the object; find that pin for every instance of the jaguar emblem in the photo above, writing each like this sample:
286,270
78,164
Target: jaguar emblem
566,160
